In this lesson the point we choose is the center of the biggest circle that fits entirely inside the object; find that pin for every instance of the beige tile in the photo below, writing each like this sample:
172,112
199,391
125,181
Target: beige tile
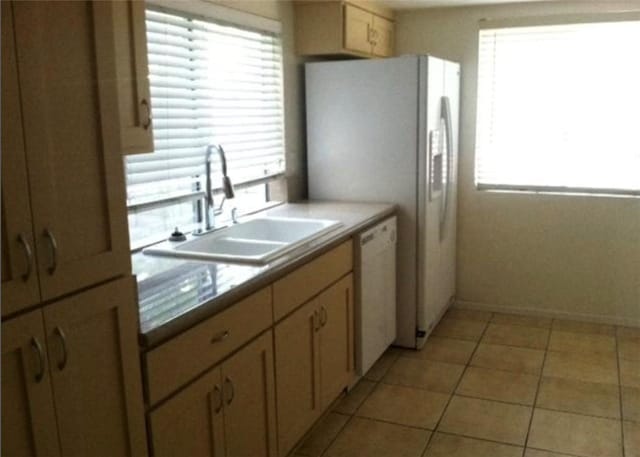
584,367
382,365
629,348
516,335
459,328
486,420
499,385
365,437
631,404
516,319
469,314
441,349
582,342
575,434
521,360
630,373
425,374
631,439
354,398
443,445
536,453
580,397
628,332
322,435
404,406
583,327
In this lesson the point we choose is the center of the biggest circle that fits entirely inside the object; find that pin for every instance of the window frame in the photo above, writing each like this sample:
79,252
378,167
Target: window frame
520,22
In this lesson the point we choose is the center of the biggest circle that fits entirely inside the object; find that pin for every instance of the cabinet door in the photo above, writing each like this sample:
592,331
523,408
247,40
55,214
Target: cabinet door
95,371
19,275
298,370
191,423
249,395
383,37
70,120
28,418
357,29
336,339
129,36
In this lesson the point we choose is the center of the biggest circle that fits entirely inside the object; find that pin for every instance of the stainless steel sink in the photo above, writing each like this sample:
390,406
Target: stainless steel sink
257,241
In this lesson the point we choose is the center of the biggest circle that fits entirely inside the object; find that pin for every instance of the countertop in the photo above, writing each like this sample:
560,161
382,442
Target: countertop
175,294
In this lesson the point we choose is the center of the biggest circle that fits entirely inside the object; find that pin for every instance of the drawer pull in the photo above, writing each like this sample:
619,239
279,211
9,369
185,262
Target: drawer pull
28,256
37,347
220,337
323,316
63,344
217,398
228,383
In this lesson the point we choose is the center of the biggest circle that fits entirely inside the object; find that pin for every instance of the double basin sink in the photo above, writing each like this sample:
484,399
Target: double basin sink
257,241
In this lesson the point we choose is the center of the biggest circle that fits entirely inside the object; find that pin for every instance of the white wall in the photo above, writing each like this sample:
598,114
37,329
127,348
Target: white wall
556,254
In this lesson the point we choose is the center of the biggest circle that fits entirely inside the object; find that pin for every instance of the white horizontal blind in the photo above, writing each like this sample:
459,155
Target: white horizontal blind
211,83
559,108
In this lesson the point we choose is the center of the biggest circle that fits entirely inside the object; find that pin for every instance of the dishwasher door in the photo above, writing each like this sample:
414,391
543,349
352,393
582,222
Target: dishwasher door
375,311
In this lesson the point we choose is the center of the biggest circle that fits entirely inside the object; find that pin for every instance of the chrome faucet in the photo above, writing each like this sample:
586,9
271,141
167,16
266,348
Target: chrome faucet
227,188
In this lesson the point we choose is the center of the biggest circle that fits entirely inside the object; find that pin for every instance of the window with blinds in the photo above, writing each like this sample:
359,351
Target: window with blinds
211,83
559,108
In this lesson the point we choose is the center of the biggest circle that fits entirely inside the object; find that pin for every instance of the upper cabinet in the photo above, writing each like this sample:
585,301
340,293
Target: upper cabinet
132,70
64,217
344,28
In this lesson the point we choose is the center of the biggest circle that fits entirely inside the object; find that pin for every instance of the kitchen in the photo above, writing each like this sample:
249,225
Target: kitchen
541,342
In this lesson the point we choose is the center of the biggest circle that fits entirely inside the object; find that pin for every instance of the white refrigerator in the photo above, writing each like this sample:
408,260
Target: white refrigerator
386,130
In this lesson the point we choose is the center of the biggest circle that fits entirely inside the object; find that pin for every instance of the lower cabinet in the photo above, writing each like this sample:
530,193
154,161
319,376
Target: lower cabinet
229,411
314,360
81,355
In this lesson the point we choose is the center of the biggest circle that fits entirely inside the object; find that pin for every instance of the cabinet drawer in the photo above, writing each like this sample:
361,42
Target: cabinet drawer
179,360
310,279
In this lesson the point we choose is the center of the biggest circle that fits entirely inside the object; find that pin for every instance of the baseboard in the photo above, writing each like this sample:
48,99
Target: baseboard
555,314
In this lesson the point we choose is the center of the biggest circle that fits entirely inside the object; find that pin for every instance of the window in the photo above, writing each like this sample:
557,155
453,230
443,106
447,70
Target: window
211,83
559,108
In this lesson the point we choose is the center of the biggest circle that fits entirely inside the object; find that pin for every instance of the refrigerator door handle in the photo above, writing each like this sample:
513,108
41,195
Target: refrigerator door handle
445,114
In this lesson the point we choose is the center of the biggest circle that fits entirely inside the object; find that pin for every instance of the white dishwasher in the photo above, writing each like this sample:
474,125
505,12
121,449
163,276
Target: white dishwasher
375,311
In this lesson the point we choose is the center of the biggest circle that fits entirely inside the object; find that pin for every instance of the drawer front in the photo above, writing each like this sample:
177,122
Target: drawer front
181,359
310,279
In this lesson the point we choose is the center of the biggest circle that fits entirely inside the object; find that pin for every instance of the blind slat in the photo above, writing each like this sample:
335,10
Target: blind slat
558,108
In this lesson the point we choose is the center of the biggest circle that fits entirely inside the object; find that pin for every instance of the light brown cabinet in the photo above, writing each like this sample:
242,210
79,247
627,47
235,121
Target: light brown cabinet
63,189
132,75
229,411
79,353
354,28
19,280
314,360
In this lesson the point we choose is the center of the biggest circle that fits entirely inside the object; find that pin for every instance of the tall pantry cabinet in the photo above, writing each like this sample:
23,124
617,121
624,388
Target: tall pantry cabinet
71,381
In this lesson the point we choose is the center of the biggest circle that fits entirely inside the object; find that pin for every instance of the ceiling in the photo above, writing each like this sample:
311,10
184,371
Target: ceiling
414,4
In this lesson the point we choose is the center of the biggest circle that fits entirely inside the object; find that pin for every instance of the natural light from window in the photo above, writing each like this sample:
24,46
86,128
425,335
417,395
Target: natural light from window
211,83
559,108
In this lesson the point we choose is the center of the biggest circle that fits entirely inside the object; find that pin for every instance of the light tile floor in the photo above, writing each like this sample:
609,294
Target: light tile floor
494,385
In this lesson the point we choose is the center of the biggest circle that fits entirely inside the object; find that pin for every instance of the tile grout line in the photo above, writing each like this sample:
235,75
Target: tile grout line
353,414
453,392
620,401
535,399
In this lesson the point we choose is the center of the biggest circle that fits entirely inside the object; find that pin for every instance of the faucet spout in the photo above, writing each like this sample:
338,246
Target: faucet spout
227,186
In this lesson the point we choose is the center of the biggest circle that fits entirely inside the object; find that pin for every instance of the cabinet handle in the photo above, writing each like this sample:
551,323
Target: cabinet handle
217,398
316,321
323,316
145,104
228,382
28,256
219,337
37,347
63,344
54,251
